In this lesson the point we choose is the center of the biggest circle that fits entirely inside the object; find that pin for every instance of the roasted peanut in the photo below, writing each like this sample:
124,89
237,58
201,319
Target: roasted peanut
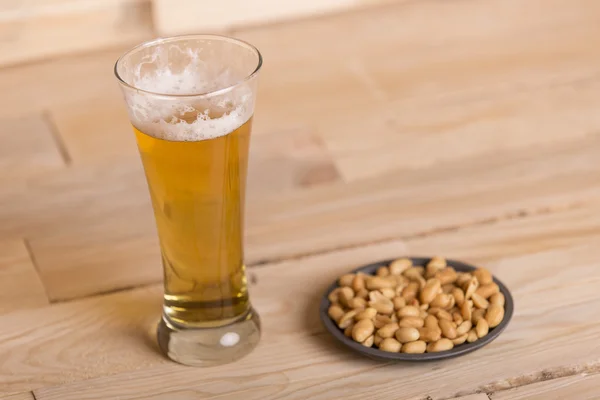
383,271
348,330
494,315
414,303
448,329
443,314
430,334
424,307
334,296
423,314
479,301
391,345
446,276
431,321
369,341
382,304
466,310
460,339
477,315
409,311
357,303
358,283
442,300
416,347
472,336
400,265
388,330
411,322
414,273
362,293
447,288
410,291
367,313
431,289
464,328
335,312
388,292
381,320
347,319
434,265
486,291
497,299
459,296
483,276
482,328
440,345
457,317
377,340
462,278
399,302
405,335
346,294
452,302
394,317
377,282
470,287
362,330
346,280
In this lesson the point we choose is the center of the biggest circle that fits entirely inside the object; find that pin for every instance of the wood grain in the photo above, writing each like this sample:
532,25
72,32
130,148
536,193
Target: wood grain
580,387
293,342
18,396
20,285
478,396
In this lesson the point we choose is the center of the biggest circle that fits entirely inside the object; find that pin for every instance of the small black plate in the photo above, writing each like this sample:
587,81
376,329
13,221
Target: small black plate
375,353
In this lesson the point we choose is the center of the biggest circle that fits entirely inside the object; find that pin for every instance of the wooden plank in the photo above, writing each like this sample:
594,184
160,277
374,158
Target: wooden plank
27,148
303,362
43,28
314,220
580,387
18,396
477,396
20,285
175,16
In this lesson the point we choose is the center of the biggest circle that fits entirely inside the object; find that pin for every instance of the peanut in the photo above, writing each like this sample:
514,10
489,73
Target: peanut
381,320
388,292
362,330
470,287
431,289
472,336
334,296
367,313
383,271
346,280
358,283
457,317
347,319
399,302
423,314
362,293
411,322
443,314
497,299
382,304
466,310
442,300
464,328
494,315
335,312
400,265
477,315
345,295
405,335
369,341
424,307
357,303
452,302
447,275
483,276
447,288
410,291
416,347
391,345
348,330
377,340
440,345
431,321
414,273
460,339
459,296
434,265
430,334
448,329
377,282
462,278
486,291
409,311
479,301
482,328
388,330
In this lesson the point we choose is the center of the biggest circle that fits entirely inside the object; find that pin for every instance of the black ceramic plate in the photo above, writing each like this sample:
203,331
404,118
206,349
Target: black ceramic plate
459,350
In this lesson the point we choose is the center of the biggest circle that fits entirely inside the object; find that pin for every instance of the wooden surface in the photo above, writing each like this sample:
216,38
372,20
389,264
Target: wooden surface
468,129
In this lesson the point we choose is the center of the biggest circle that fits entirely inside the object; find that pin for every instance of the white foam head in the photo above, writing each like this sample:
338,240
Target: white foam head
187,94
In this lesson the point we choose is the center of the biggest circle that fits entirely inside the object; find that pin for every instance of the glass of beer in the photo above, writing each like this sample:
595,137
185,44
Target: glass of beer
191,102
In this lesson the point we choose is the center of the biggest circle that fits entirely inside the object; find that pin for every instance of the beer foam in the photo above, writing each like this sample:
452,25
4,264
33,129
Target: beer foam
188,118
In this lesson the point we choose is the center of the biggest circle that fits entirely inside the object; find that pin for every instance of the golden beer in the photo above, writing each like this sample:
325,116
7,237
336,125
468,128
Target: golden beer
191,101
198,191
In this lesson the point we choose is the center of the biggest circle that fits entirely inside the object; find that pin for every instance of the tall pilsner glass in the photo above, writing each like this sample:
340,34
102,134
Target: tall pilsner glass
191,101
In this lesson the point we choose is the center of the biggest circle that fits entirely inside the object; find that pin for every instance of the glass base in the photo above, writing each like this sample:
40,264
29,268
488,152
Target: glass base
204,347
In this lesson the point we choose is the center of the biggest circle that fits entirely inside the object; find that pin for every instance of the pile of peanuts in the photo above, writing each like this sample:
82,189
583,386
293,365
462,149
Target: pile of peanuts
417,309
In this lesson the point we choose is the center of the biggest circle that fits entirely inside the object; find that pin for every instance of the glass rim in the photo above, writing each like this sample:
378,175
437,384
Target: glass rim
176,38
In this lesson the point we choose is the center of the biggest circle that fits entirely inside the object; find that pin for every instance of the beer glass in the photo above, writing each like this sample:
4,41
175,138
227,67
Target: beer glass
191,101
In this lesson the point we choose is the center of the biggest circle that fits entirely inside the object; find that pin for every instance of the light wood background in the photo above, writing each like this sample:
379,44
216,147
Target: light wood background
463,128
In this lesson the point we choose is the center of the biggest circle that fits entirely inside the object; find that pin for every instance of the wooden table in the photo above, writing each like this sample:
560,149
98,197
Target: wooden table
463,128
